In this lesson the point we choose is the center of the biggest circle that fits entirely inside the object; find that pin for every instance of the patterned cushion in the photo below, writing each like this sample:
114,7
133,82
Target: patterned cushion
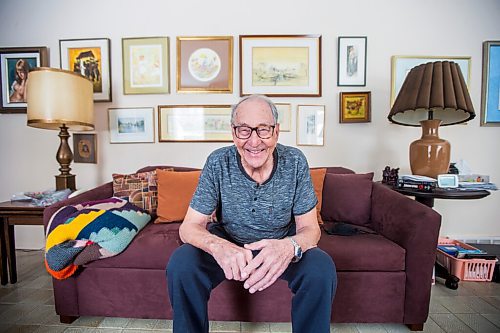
140,189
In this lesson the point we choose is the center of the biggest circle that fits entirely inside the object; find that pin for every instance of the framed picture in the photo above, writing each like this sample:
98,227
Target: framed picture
351,61
16,63
205,64
310,125
195,123
280,65
355,107
490,86
284,116
91,58
85,148
146,65
131,125
401,65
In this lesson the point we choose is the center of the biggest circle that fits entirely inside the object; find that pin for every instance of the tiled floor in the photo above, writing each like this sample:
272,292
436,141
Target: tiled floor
28,306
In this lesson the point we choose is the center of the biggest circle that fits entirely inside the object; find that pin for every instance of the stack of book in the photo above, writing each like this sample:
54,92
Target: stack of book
416,182
475,182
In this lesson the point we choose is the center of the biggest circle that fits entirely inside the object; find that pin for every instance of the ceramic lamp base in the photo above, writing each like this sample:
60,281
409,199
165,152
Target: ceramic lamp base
430,155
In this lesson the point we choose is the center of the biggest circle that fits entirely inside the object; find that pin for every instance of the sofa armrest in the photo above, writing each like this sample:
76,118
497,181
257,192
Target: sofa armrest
99,193
415,227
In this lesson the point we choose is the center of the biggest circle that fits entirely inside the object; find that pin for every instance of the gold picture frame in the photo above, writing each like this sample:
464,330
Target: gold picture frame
355,107
205,64
146,67
280,65
194,123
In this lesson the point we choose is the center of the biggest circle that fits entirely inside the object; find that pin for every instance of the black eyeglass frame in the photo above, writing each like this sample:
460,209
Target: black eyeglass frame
235,128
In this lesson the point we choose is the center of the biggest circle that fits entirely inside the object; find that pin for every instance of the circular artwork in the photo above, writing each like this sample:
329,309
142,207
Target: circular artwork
204,64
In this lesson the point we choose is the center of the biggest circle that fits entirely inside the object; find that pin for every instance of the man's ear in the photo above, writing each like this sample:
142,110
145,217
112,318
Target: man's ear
277,130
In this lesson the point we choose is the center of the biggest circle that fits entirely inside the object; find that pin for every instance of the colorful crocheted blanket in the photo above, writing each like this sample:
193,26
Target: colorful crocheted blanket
86,232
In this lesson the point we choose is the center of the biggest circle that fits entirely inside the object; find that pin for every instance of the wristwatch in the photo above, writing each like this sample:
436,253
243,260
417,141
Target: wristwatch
297,250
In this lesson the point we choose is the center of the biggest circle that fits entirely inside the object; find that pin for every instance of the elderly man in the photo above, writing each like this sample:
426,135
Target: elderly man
266,226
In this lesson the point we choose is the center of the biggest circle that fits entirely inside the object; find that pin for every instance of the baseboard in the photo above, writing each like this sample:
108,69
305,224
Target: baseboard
474,239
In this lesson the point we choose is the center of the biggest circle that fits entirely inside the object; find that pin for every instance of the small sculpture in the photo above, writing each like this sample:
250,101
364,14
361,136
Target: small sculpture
390,176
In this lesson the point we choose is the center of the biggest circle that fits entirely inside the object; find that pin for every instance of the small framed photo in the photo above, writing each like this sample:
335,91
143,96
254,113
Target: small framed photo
401,66
351,61
284,116
195,123
85,147
146,65
205,64
280,65
16,63
131,125
91,58
490,86
310,125
355,107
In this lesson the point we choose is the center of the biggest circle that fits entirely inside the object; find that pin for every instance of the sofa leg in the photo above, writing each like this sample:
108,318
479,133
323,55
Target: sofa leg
415,327
67,319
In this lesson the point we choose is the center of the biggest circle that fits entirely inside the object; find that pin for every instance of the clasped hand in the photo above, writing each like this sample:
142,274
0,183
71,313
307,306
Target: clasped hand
260,272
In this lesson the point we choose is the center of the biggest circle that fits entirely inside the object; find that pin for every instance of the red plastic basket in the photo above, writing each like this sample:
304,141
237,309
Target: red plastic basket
465,269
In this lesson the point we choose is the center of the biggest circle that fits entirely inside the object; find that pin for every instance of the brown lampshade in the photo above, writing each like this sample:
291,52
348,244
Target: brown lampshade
56,97
59,99
435,90
432,94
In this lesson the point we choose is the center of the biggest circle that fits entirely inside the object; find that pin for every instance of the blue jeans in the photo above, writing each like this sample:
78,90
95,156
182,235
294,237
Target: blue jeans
193,273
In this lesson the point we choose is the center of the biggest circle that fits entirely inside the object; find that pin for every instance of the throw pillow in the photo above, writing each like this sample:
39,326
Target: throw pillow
347,198
318,177
139,189
175,190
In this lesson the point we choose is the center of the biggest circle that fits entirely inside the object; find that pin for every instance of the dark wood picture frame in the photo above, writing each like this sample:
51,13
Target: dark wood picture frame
85,147
8,73
355,107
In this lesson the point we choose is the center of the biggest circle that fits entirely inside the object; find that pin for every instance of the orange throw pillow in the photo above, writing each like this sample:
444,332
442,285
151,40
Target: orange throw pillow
318,177
175,190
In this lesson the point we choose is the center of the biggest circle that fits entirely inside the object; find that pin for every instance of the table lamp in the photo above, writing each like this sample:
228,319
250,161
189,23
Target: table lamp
60,99
432,94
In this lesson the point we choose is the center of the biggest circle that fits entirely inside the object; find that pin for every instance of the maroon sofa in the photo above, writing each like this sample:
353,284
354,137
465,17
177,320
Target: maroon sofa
382,278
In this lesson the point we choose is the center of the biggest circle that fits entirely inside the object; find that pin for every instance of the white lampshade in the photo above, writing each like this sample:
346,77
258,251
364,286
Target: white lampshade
57,97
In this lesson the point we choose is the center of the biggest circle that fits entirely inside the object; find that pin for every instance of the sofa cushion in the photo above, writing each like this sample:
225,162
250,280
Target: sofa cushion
318,178
347,198
150,249
175,190
139,189
364,252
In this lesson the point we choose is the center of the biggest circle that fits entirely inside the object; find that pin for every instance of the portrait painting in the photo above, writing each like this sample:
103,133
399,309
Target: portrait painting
15,66
352,61
89,58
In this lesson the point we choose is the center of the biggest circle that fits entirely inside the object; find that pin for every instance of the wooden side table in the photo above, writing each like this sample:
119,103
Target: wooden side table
427,198
11,214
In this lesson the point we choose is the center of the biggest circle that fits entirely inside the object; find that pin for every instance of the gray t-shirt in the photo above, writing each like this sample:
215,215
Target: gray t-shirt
248,211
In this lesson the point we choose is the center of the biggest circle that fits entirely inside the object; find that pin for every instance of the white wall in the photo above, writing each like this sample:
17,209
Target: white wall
393,27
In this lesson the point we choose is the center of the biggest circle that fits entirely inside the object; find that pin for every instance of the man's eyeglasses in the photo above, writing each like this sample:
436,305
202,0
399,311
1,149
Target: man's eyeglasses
263,131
